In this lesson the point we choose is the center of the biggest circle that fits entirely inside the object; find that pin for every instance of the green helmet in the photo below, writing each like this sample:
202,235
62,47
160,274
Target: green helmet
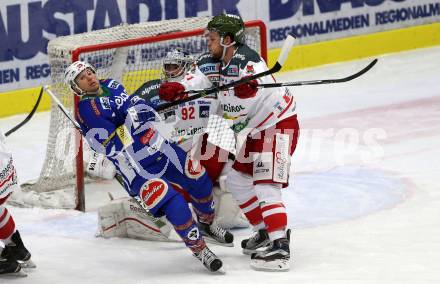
227,24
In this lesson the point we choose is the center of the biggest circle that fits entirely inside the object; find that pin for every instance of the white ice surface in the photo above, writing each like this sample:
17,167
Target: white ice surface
364,200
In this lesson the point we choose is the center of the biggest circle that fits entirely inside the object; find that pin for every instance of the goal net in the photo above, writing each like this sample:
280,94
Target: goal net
131,54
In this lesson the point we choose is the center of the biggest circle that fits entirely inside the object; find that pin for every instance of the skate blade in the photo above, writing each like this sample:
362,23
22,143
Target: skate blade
251,251
19,274
281,265
215,242
28,264
221,271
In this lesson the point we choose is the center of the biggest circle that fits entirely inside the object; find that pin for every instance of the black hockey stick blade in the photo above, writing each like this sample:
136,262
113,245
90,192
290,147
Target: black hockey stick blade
320,82
28,117
285,50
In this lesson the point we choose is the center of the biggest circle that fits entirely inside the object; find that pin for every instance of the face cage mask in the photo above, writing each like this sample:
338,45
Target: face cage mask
170,76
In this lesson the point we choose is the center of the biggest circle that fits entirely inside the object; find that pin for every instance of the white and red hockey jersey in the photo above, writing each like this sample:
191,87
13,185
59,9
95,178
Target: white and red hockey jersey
256,113
8,175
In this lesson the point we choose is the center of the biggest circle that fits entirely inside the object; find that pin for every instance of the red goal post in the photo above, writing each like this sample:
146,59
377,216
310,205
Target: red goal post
130,54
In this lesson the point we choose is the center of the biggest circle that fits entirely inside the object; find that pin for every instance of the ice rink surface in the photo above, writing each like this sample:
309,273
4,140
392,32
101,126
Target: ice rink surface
364,199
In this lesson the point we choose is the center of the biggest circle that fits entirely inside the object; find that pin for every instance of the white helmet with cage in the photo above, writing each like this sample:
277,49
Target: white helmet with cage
175,65
73,71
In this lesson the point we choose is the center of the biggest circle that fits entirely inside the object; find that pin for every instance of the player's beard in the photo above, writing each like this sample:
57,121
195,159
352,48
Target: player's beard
217,53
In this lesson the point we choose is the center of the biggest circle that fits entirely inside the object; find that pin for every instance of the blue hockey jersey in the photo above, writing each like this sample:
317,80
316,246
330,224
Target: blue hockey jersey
117,125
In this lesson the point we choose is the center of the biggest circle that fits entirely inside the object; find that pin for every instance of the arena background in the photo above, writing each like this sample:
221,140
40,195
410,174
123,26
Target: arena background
328,31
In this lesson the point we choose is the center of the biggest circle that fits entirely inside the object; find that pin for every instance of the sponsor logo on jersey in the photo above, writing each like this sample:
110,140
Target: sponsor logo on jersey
250,69
240,56
133,114
120,99
113,84
203,111
232,108
95,107
135,99
178,132
203,56
209,68
155,146
193,168
169,114
148,90
124,135
233,70
240,125
145,139
105,102
152,192
214,79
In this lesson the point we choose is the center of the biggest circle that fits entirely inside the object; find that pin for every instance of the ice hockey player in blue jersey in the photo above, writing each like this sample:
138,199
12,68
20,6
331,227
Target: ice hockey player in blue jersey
119,126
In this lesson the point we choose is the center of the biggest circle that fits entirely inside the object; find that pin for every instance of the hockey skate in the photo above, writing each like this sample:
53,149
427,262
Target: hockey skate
275,258
10,268
209,259
259,240
16,251
216,235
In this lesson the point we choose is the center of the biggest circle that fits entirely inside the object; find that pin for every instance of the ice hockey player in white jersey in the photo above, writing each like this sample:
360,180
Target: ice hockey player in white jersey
265,119
14,255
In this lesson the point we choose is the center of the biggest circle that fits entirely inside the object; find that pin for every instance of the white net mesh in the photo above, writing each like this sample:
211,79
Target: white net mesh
130,54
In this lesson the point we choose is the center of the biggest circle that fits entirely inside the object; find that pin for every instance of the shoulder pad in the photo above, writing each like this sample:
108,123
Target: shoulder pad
205,58
245,54
208,64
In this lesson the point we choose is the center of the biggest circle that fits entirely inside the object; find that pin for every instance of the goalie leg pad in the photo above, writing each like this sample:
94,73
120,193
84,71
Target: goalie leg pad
125,218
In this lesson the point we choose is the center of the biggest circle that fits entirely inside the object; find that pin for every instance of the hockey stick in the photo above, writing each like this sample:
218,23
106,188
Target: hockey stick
285,50
28,117
62,108
319,82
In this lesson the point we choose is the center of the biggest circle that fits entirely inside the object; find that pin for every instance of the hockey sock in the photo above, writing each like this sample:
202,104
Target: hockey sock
202,199
7,225
241,187
179,215
272,209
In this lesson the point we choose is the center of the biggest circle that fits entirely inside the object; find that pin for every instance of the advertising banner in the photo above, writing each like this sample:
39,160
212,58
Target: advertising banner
26,26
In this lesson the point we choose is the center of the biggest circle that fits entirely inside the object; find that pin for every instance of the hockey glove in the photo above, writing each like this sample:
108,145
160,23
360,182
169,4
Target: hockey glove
246,90
172,91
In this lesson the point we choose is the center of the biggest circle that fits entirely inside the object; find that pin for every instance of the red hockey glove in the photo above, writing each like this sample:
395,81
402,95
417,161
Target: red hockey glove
172,91
246,90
